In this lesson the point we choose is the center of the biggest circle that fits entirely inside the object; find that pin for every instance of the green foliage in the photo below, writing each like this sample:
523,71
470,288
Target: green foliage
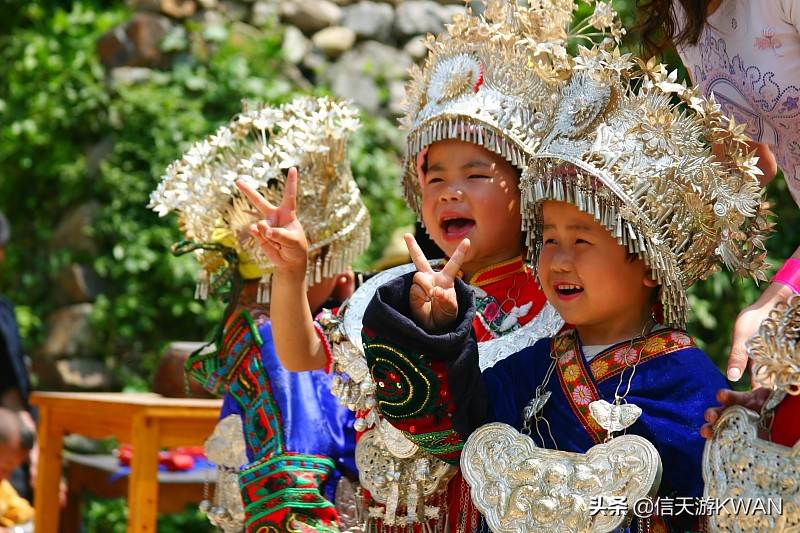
72,133
111,516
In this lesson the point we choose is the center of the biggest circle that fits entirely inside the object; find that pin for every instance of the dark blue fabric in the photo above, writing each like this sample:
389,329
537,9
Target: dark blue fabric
12,347
313,420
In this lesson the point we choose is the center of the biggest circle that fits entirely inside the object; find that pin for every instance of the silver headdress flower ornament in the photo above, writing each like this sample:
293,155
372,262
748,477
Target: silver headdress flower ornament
259,145
775,351
624,142
485,76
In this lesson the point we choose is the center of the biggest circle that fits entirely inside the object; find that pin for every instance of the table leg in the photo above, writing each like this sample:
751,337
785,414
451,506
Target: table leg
48,476
143,482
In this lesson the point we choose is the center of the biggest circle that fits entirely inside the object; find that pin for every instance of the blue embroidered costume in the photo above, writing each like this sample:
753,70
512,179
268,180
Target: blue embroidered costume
674,383
300,441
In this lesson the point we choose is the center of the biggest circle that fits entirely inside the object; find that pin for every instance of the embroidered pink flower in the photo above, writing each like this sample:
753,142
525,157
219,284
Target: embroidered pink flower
582,395
681,339
491,311
568,356
769,41
626,355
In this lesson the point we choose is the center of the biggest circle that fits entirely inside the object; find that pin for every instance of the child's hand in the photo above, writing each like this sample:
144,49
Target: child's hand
753,400
280,235
433,301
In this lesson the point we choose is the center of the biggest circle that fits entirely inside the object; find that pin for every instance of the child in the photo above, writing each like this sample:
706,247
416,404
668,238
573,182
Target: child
299,440
468,109
16,442
624,205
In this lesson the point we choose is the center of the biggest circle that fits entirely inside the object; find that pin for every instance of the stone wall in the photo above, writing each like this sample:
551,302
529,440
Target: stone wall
362,50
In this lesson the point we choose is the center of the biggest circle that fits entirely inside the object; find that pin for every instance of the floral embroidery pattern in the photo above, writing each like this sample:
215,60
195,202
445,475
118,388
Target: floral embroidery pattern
626,355
768,102
571,372
582,395
612,362
576,380
576,383
768,41
567,357
491,311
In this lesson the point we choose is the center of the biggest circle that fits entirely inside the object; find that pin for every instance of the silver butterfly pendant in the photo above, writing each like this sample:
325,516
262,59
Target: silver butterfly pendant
614,417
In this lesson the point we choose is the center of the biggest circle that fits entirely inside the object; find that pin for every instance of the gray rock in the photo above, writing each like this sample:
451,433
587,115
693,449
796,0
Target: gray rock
423,16
348,83
234,10
334,41
310,15
364,73
397,94
264,13
369,20
295,46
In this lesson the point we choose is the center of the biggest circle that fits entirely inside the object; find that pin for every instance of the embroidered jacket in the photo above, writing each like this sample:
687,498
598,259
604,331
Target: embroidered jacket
299,439
673,384
507,298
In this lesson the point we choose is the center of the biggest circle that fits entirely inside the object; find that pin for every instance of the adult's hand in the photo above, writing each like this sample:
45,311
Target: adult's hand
747,324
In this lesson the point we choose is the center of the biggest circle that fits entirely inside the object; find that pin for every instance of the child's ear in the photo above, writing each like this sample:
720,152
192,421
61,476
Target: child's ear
649,278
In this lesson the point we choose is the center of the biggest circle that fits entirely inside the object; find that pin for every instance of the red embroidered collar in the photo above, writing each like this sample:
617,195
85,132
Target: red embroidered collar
499,271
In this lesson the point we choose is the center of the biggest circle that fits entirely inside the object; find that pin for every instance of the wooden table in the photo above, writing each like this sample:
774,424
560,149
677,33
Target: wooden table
148,421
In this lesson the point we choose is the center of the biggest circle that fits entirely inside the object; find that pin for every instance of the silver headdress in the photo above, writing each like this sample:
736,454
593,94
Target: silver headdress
485,77
259,145
615,143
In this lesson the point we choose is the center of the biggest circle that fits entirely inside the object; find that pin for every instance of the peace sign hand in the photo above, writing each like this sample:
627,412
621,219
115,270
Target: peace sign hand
433,301
280,234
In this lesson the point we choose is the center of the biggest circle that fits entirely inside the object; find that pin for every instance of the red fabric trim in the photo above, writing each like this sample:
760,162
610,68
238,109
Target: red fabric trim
786,429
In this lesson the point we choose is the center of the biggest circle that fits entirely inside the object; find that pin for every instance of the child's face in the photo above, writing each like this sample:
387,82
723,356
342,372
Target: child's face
587,275
12,455
470,192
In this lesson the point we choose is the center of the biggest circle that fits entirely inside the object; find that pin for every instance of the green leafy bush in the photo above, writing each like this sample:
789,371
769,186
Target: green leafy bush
73,134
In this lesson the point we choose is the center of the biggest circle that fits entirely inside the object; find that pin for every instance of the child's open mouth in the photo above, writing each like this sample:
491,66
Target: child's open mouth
569,290
454,227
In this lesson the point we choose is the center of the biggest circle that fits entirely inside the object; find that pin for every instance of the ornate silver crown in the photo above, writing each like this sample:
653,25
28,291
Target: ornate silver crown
259,145
485,77
624,142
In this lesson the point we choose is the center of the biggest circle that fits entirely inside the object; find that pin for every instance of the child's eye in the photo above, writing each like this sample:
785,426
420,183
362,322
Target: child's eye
550,241
479,177
434,180
582,241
